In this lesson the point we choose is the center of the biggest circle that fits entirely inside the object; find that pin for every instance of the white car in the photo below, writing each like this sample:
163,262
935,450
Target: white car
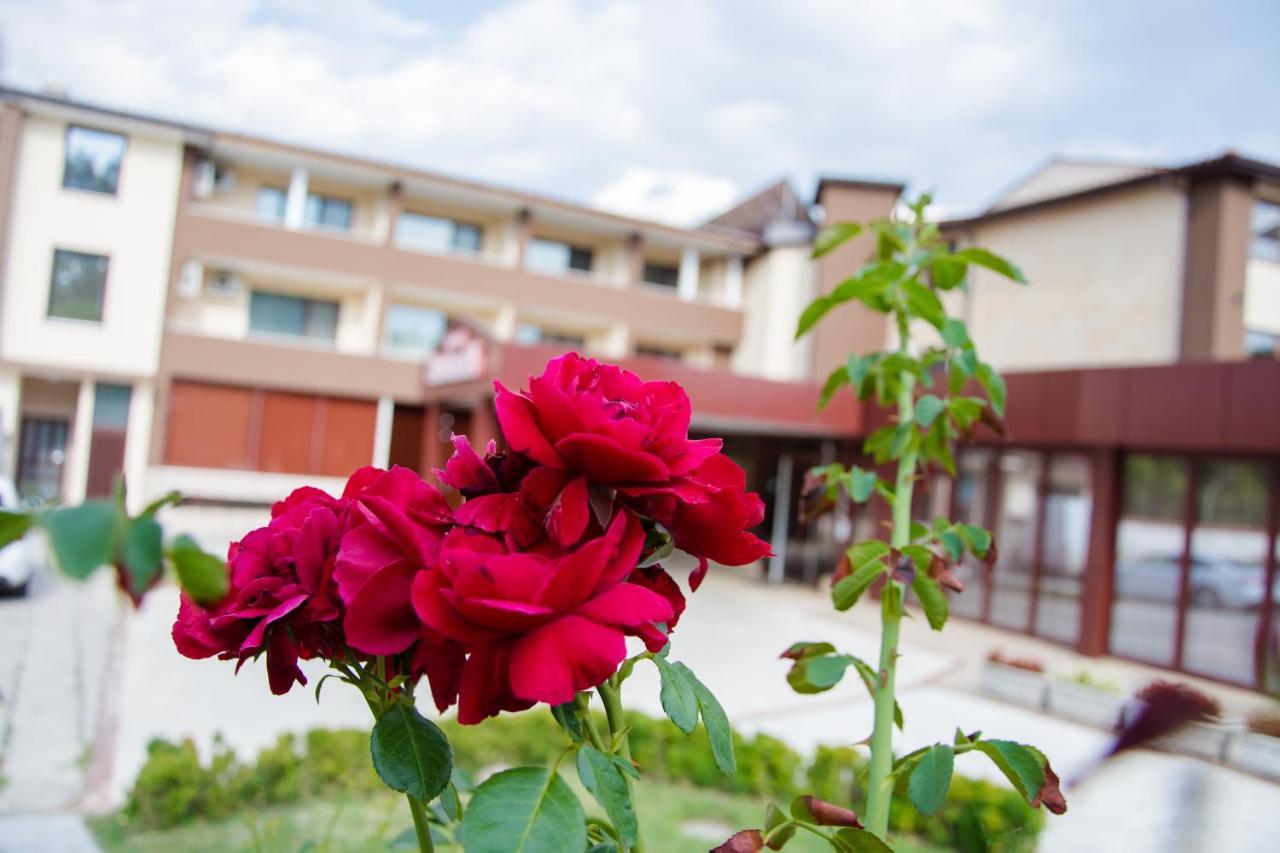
18,560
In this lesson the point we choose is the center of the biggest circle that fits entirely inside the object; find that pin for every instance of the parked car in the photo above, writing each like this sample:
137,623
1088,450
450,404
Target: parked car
1215,582
19,560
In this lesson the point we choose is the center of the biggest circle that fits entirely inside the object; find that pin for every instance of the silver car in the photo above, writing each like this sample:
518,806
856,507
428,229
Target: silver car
19,560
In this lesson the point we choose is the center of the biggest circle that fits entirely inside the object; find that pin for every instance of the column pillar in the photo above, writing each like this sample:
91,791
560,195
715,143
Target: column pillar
75,473
1099,577
733,282
392,205
687,282
432,455
523,234
383,420
781,519
635,260
10,421
295,203
137,443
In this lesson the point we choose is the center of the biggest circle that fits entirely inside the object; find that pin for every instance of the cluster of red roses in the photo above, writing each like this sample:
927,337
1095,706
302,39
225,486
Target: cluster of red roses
526,590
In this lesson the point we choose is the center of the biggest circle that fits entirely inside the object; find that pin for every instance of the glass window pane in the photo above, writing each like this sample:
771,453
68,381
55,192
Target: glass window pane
414,331
1016,539
1228,569
661,274
528,334
580,259
328,211
77,286
92,160
321,320
972,486
278,314
546,256
1271,646
269,204
1067,510
1149,544
111,406
429,233
467,237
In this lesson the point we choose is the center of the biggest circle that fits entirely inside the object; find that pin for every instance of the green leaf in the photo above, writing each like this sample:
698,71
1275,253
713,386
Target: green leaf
83,537
14,525
524,810
857,368
932,599
861,483
1019,765
928,407
834,235
993,262
778,827
143,552
202,575
931,778
816,310
838,378
677,696
954,333
979,539
947,271
715,721
993,384
850,840
816,674
870,287
566,716
410,753
867,564
923,302
606,783
951,540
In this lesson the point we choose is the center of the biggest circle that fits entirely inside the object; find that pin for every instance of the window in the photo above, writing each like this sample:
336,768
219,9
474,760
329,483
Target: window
437,234
1149,548
972,493
270,203
77,286
1261,344
1068,503
1265,228
277,314
92,160
111,406
551,256
1016,532
412,330
528,333
663,275
328,212
667,353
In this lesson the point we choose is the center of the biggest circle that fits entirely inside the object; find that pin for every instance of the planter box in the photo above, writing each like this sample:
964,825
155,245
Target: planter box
1203,740
1019,686
1085,704
1255,753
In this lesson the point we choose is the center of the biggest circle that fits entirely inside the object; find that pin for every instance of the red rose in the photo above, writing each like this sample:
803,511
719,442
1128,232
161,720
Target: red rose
396,523
602,422
537,628
281,595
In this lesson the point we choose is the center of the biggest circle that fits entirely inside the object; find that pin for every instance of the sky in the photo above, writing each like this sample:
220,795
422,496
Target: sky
674,110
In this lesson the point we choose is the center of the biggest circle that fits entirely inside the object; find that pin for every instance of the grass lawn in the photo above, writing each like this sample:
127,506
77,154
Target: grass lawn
676,819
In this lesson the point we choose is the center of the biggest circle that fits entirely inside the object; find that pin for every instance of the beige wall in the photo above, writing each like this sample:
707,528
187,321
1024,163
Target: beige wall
1106,283
776,288
134,228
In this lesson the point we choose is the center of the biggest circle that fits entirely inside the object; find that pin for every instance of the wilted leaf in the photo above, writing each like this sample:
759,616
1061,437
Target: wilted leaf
1166,707
746,841
810,809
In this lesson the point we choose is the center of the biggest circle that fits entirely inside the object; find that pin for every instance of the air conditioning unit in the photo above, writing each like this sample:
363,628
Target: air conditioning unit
190,279
224,283
211,176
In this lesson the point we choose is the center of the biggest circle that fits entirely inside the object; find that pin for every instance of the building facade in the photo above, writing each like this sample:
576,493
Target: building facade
233,317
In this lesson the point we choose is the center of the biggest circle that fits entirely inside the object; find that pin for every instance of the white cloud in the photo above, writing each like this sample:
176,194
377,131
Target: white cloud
681,198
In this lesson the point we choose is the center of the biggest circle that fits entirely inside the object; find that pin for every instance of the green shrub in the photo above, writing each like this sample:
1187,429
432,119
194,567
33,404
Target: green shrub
174,786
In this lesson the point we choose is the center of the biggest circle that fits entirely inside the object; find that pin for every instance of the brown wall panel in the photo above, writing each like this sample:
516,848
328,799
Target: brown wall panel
1181,406
288,439
208,425
346,442
1253,405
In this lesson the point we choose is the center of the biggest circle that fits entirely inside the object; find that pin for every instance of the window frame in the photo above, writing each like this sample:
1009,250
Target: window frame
284,203
309,302
325,200
72,127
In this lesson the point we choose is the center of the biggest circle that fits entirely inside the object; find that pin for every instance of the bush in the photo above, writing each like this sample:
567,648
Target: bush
174,786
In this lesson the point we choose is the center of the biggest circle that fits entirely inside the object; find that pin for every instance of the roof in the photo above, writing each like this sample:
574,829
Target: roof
202,136
857,184
1224,165
761,214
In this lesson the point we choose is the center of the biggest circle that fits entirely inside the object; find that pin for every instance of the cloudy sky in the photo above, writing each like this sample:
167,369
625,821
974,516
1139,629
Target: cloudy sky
675,109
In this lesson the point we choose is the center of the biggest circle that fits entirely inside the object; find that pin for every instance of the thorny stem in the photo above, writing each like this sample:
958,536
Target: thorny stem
420,824
611,695
881,783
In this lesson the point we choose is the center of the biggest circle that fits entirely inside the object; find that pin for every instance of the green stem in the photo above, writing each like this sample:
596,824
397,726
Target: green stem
420,825
611,696
881,784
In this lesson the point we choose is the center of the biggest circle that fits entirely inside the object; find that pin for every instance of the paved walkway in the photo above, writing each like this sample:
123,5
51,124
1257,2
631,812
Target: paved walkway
731,636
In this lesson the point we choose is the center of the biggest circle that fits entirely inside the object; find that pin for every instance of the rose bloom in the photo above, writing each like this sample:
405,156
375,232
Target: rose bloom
598,432
539,628
281,596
